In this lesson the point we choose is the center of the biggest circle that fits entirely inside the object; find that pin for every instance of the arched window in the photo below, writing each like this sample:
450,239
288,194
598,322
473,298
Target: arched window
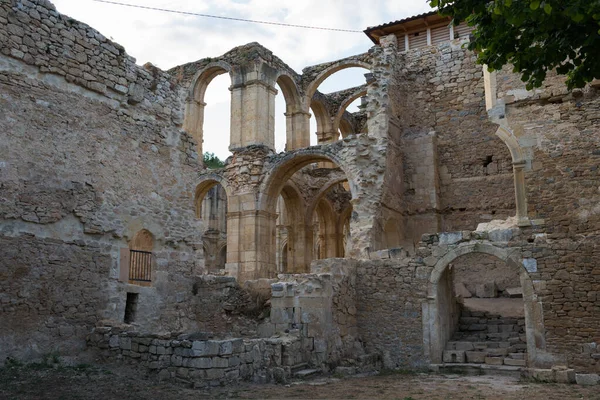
137,260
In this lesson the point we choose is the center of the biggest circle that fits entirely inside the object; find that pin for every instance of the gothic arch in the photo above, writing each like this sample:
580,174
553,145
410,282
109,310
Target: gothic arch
288,165
327,235
290,91
193,121
297,260
208,182
342,108
143,240
330,70
519,161
346,127
313,205
322,117
204,77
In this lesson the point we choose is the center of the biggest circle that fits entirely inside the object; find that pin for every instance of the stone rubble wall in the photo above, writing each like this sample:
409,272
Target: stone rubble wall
37,34
201,362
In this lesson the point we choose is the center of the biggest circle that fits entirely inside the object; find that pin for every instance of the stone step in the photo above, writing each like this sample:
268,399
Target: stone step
305,373
477,369
299,367
518,356
515,362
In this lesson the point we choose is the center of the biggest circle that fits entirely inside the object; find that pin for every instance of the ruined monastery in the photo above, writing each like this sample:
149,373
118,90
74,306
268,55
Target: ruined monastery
453,220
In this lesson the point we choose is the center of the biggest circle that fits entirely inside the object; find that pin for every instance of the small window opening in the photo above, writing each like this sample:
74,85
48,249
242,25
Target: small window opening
130,308
417,33
488,161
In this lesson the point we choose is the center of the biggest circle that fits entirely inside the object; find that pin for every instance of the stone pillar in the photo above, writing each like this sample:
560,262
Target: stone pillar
252,113
250,238
297,130
520,195
194,121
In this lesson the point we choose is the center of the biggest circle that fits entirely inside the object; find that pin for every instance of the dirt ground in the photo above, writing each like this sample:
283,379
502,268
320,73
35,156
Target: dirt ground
109,382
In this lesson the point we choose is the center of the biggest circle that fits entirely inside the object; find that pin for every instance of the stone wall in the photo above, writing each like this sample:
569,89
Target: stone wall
476,270
389,292
39,312
92,153
457,172
198,361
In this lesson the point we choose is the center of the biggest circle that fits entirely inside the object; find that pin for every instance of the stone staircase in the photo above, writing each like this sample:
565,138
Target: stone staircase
487,338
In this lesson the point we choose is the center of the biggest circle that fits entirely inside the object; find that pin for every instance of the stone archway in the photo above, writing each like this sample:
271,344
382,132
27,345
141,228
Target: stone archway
193,122
437,328
345,104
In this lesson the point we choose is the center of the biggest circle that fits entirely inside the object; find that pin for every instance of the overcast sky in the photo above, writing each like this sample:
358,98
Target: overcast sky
167,39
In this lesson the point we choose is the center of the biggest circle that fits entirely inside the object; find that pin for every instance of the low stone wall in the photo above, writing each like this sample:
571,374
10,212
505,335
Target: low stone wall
202,362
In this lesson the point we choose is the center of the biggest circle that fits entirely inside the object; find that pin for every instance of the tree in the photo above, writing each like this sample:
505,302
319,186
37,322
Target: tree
212,161
535,36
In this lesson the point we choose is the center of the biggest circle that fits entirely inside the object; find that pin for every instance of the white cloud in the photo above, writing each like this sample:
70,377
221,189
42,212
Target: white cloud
168,39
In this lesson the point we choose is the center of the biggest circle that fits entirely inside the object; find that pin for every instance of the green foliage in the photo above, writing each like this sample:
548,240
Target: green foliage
212,161
535,36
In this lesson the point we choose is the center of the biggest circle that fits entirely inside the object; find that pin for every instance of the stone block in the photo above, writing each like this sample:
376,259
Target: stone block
125,343
515,292
498,352
461,290
486,290
204,348
450,237
164,375
219,362
515,362
215,373
225,347
587,379
266,330
238,345
320,345
565,376
494,360
477,327
477,357
542,375
202,363
113,341
454,356
232,375
463,346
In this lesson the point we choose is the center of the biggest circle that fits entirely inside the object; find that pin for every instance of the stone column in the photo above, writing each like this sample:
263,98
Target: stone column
520,195
250,238
252,113
194,121
297,130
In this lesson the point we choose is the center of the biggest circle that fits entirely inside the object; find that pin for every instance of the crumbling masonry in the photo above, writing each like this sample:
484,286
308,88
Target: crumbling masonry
454,219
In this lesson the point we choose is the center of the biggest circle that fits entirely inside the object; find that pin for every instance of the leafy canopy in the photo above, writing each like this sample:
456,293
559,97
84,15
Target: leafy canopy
212,161
535,36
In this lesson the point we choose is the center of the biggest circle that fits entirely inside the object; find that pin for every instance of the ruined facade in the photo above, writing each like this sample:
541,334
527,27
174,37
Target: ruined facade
347,254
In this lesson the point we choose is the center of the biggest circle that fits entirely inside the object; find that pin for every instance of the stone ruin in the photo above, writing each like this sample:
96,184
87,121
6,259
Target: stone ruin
359,253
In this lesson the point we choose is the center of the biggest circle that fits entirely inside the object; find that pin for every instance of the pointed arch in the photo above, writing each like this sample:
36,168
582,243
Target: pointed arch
344,105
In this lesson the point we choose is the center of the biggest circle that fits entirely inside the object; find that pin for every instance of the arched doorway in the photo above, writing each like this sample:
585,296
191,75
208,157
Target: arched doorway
442,311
